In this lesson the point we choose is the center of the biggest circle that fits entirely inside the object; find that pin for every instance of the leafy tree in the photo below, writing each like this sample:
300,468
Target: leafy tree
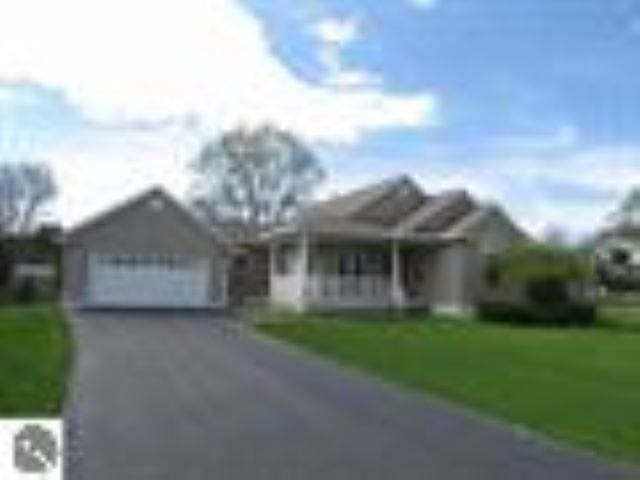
25,189
254,179
545,270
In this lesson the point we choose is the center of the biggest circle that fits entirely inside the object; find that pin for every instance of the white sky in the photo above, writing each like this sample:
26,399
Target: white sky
120,61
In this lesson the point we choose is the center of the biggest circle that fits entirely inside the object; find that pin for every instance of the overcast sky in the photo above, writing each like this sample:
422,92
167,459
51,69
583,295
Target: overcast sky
532,103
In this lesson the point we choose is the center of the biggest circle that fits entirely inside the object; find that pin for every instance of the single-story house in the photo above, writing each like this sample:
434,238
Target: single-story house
148,252
388,245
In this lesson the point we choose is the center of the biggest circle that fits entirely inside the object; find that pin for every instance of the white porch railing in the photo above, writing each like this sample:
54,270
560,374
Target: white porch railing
337,291
348,290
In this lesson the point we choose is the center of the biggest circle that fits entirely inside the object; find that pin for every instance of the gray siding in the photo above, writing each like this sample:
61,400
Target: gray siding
140,228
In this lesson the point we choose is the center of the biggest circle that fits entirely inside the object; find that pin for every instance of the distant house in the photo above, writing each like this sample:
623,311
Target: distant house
33,259
37,271
617,254
389,245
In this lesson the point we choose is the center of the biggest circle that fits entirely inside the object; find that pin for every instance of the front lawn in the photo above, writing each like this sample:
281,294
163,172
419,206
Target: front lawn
621,316
581,386
34,360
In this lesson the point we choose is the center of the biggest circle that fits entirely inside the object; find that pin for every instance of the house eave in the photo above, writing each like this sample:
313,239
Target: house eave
346,236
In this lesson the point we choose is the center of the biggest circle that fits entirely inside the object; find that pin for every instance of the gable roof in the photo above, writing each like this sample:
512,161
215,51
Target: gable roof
625,230
431,214
357,200
394,208
134,202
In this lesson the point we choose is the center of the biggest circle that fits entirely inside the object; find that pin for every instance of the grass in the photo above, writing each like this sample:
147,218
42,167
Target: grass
35,356
576,385
621,316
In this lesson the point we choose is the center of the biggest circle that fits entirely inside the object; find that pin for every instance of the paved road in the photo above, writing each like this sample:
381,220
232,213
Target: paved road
186,397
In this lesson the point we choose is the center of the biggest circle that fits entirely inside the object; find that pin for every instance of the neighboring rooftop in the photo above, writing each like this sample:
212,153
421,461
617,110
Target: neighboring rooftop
625,230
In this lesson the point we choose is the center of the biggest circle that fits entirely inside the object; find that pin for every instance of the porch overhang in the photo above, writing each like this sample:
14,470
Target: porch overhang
335,235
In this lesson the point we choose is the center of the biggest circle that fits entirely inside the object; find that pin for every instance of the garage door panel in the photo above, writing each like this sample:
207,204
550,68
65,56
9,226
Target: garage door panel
151,281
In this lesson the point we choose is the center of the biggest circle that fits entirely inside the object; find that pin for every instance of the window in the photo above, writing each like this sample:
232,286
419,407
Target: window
348,263
284,260
362,263
375,263
620,256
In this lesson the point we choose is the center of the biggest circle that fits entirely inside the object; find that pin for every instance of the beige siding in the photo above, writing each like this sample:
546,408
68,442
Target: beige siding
452,280
496,234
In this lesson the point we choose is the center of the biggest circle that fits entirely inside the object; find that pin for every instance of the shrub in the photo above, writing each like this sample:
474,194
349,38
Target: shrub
520,313
547,291
5,267
26,291
545,271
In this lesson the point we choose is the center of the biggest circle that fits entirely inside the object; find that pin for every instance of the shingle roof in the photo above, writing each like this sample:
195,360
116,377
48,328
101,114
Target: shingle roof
130,203
470,221
622,230
354,201
429,215
393,208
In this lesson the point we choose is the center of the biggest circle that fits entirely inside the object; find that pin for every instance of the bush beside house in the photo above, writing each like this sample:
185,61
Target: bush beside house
552,287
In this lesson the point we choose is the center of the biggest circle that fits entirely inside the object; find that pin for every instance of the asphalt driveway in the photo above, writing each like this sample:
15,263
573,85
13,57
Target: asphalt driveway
190,397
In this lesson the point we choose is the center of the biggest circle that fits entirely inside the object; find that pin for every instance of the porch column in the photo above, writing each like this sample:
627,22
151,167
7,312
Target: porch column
273,265
303,266
397,290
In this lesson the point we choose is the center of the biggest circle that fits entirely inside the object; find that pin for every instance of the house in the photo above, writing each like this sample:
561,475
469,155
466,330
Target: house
30,261
389,245
38,272
617,255
148,252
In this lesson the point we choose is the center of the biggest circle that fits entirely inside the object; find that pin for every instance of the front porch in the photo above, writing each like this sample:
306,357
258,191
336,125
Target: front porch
350,291
357,275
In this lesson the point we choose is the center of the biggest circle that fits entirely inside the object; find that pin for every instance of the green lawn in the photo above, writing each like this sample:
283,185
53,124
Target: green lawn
34,360
581,386
621,316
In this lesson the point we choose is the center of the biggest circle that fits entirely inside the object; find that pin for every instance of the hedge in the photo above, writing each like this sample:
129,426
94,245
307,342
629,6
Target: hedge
566,314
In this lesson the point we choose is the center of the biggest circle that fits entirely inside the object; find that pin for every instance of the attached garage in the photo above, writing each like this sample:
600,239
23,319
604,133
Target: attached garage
139,280
147,253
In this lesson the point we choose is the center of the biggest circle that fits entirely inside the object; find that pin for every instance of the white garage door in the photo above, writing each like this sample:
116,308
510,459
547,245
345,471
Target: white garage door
149,280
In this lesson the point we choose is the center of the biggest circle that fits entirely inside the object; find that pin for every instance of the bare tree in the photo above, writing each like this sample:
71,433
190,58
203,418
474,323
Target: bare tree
254,178
25,189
